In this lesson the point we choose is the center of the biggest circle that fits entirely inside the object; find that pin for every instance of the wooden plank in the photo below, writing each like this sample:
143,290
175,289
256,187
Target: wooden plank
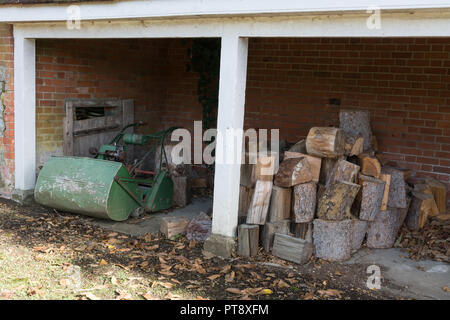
68,129
259,206
280,204
87,103
248,240
292,249
96,124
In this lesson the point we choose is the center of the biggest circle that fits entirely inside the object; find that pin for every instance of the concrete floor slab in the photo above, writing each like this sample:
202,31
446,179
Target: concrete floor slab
149,223
420,279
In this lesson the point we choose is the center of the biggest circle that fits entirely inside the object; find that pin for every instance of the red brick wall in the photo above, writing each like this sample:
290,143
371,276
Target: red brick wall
152,72
7,140
405,83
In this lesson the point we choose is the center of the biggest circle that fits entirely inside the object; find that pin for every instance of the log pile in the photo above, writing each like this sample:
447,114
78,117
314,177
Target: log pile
331,194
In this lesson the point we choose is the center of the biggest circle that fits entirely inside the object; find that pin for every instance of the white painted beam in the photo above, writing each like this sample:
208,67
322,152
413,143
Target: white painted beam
24,112
137,9
233,77
430,24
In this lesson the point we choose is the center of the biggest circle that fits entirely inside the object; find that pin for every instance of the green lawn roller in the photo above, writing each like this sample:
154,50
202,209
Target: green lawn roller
105,186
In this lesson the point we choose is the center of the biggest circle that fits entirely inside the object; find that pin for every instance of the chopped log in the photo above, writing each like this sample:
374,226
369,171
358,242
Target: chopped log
336,202
248,240
171,226
425,188
248,175
292,172
343,171
397,187
302,230
420,209
439,192
357,123
259,206
314,163
372,191
304,202
181,191
280,204
383,231
401,214
266,166
299,147
326,169
370,166
353,145
333,239
292,249
359,230
269,229
325,142
386,177
245,198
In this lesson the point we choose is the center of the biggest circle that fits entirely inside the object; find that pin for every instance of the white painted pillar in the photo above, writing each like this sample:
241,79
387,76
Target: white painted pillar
233,77
24,112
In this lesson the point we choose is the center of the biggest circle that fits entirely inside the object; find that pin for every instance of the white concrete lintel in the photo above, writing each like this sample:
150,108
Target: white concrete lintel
423,24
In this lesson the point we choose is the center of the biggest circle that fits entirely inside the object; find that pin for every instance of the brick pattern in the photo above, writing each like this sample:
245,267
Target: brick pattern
152,72
7,141
404,82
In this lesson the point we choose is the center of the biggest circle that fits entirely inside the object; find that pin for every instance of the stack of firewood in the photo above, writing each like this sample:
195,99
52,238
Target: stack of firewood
329,193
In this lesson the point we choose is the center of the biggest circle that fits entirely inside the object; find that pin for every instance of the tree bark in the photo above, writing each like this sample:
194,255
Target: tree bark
372,191
357,123
382,231
304,202
333,239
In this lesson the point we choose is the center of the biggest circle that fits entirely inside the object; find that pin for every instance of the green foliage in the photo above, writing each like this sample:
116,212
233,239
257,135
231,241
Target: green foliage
205,60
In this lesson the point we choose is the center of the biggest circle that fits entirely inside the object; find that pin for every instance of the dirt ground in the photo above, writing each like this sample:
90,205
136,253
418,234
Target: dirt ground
45,254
